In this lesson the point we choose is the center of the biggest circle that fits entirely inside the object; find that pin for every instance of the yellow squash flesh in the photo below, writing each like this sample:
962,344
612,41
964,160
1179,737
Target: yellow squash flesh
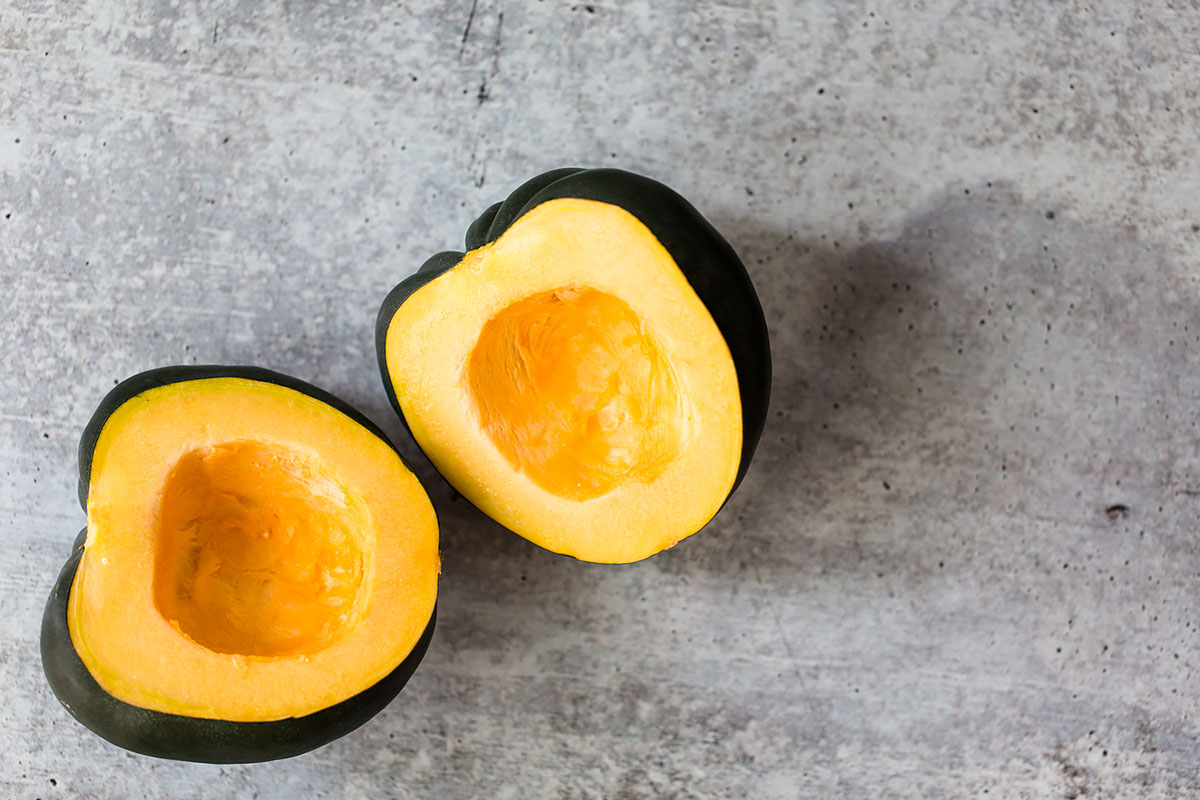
252,554
569,382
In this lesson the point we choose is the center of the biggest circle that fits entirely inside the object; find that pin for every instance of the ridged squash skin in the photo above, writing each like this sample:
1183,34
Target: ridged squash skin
710,266
176,736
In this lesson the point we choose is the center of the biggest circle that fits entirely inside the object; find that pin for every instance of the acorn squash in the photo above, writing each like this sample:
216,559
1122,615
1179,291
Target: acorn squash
258,575
593,372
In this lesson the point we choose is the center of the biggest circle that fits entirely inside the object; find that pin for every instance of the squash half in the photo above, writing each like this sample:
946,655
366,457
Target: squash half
258,575
592,373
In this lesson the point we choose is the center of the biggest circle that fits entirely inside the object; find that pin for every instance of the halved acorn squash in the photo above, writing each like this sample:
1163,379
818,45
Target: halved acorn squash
258,575
593,373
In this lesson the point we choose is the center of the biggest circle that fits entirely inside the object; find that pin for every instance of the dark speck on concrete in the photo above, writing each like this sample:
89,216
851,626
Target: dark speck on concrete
1117,511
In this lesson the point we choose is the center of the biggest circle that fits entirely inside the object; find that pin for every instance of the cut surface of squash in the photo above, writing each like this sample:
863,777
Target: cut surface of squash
252,554
569,382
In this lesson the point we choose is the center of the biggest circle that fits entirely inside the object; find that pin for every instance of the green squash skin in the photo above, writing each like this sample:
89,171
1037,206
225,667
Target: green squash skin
173,736
708,262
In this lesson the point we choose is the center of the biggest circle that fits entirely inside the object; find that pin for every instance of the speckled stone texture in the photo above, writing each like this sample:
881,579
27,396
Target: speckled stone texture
966,560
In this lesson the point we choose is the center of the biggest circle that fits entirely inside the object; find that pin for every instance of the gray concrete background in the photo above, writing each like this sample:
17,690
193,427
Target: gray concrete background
975,229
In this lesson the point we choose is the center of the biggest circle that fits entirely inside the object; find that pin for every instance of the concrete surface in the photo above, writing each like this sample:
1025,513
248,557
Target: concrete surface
966,560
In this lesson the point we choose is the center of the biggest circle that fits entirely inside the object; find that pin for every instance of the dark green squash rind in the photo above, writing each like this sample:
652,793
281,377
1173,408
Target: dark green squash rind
481,227
155,733
707,261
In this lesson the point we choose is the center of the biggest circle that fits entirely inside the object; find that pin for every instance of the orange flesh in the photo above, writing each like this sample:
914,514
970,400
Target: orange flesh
575,392
259,551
